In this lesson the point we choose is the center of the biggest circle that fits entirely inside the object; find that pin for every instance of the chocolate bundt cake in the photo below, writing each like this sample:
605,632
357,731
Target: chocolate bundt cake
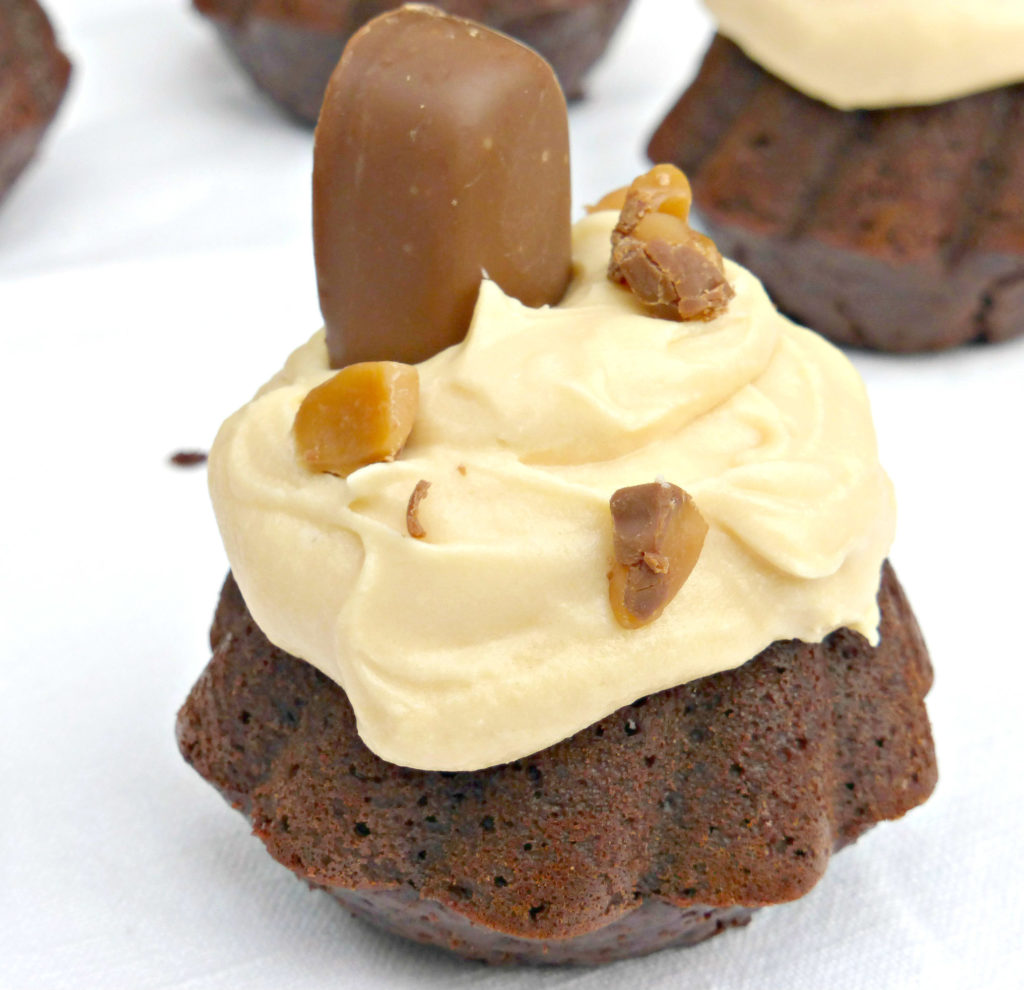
663,824
898,229
34,74
526,725
290,50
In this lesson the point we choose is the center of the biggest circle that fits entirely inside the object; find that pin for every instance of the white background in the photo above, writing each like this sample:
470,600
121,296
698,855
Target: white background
154,268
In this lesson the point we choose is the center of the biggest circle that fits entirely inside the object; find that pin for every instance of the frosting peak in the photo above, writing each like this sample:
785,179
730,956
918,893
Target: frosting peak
492,637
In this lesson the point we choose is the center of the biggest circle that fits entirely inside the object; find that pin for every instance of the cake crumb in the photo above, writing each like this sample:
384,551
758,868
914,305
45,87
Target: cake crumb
187,458
412,521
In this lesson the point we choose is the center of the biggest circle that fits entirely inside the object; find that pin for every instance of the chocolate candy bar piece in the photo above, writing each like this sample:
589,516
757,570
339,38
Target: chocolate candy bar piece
442,153
675,271
659,534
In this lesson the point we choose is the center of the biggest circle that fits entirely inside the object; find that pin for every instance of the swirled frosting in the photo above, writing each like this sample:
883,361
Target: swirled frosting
493,636
880,53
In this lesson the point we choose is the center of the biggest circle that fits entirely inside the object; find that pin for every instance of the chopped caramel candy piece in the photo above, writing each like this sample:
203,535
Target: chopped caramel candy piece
675,272
361,415
659,534
615,200
412,522
665,189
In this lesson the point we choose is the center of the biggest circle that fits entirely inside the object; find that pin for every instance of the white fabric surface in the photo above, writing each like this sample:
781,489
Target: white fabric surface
154,268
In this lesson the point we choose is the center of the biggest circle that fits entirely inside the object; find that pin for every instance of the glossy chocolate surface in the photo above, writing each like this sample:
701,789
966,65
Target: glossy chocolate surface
442,152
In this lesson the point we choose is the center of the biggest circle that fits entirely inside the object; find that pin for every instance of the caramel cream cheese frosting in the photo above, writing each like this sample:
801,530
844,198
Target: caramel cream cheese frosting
880,53
492,637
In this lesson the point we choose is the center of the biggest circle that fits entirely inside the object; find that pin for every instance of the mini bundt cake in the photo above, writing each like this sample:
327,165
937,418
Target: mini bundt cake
505,546
290,50
34,74
896,229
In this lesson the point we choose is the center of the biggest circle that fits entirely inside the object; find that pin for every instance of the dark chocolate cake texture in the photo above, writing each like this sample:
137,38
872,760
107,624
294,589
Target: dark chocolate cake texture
899,229
663,824
290,49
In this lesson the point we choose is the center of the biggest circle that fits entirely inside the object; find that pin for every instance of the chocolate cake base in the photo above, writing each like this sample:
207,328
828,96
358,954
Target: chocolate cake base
900,230
662,824
653,925
290,54
34,74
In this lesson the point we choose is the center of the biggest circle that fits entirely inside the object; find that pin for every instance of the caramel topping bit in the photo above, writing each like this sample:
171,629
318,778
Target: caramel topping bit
659,534
361,415
675,272
615,200
412,522
665,189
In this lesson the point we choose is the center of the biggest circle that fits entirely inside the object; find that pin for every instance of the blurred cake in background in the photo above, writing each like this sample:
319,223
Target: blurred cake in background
290,48
34,75
866,162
